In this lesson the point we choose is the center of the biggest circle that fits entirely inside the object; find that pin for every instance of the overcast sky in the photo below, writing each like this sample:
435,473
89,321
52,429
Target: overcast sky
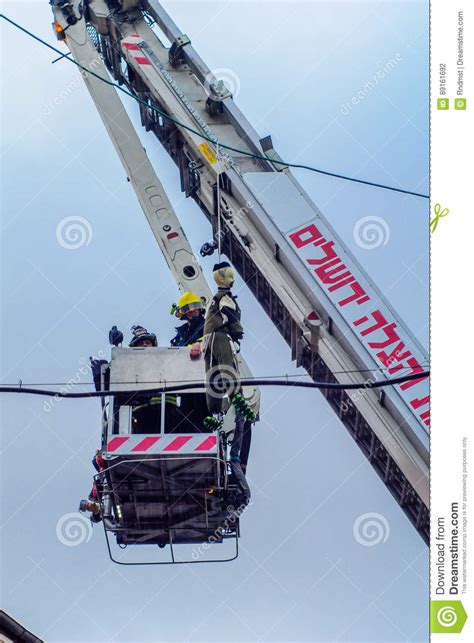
302,574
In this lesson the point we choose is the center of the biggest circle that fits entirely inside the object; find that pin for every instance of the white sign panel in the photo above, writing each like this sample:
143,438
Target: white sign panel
368,318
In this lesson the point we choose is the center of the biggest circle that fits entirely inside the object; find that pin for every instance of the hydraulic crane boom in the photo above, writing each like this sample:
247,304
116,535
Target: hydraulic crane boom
143,178
151,195
313,290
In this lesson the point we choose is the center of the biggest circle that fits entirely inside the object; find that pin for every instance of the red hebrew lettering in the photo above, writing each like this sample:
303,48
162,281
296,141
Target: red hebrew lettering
340,284
307,235
361,320
395,369
380,322
392,336
414,364
327,276
330,254
425,418
395,356
417,403
359,295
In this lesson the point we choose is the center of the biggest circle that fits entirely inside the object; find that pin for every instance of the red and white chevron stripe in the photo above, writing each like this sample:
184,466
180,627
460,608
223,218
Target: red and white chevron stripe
161,444
130,45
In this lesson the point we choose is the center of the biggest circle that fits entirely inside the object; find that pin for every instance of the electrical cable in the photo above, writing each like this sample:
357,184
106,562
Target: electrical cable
207,138
369,384
183,381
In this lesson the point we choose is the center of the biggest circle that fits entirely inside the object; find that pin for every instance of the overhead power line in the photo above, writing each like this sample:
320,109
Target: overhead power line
285,376
261,157
368,384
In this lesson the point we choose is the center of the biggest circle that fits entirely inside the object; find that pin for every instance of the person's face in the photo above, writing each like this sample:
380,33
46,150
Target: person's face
146,343
192,314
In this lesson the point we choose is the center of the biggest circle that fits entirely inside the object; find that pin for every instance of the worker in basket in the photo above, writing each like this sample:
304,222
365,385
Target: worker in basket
142,338
189,308
146,411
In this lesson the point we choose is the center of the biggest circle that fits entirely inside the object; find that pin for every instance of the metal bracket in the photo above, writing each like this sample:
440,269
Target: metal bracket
313,323
176,53
269,152
218,92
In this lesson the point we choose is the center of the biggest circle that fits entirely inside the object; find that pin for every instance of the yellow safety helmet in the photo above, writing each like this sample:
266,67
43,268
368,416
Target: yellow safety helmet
188,301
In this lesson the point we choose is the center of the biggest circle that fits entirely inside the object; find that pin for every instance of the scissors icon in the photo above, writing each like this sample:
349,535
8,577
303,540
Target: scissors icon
438,215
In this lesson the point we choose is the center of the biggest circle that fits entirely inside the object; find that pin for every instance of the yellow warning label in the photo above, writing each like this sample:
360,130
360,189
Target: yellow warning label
208,153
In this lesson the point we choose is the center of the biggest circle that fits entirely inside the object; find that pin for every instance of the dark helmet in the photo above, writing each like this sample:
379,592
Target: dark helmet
140,335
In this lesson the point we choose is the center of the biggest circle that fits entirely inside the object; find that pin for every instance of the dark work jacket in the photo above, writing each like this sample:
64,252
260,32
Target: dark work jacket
189,334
